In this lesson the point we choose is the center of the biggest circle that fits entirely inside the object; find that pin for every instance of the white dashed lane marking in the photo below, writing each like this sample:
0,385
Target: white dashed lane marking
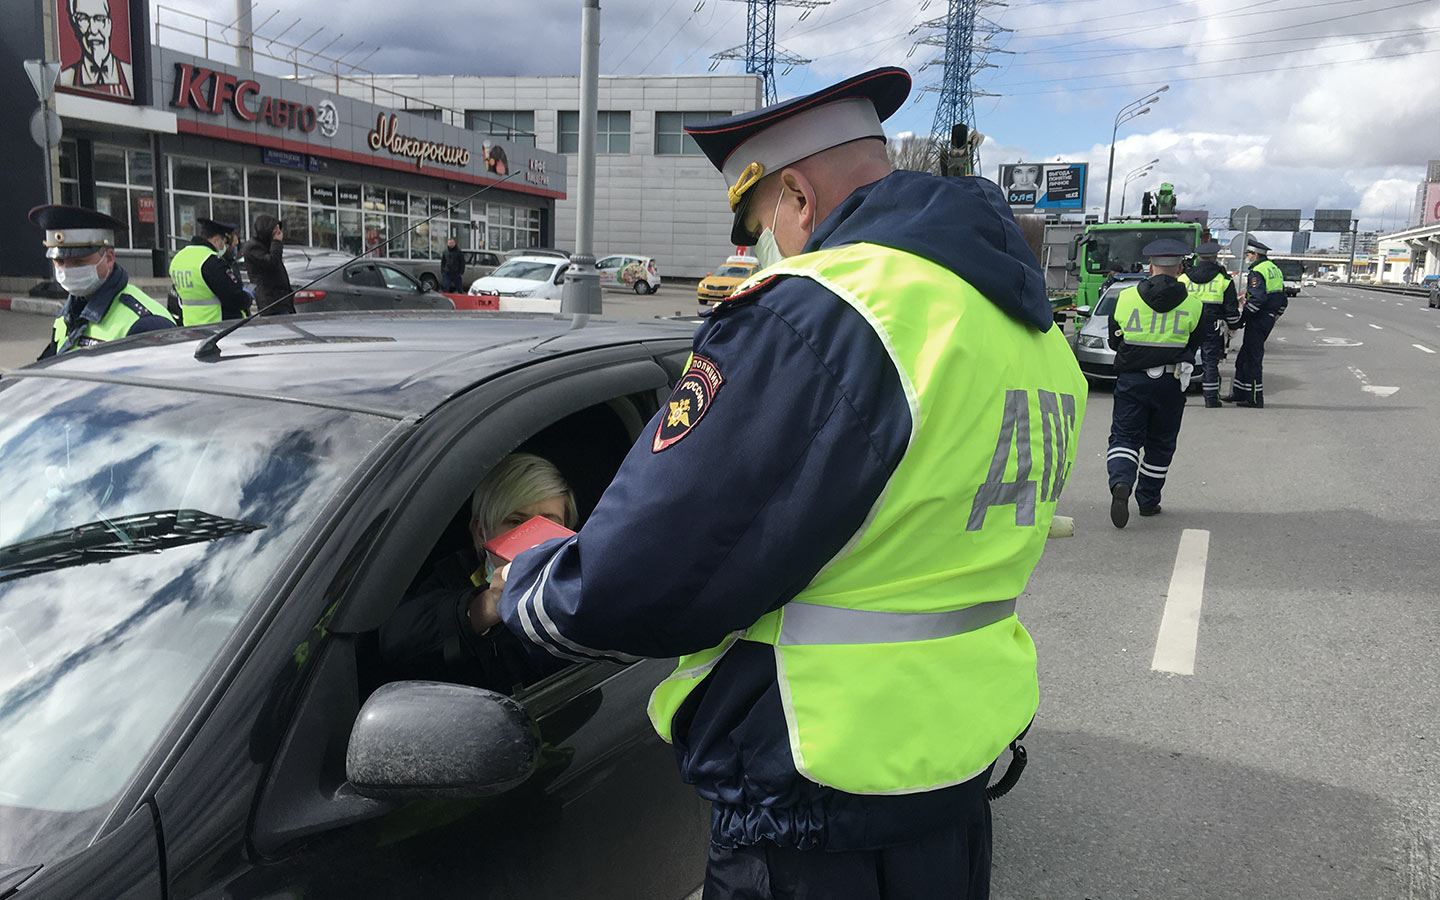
1422,347
1374,326
1349,315
1180,625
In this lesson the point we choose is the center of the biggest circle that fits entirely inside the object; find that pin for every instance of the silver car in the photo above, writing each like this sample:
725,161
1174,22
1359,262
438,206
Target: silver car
1091,343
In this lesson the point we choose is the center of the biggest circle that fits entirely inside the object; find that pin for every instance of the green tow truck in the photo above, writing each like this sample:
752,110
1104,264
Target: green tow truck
1114,248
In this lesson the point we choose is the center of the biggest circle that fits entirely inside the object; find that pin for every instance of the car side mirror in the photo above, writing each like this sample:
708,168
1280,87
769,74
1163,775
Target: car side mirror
425,287
1082,310
417,739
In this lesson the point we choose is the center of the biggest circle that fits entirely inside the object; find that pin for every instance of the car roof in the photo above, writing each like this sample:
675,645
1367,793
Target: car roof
393,364
548,260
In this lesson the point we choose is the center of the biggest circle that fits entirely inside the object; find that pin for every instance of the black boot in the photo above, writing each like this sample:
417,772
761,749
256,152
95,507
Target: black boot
1213,403
1151,510
1120,505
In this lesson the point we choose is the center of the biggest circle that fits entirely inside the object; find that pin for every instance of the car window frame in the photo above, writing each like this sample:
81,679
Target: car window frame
409,282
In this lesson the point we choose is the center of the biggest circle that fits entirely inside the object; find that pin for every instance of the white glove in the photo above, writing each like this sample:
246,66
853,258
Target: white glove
1183,371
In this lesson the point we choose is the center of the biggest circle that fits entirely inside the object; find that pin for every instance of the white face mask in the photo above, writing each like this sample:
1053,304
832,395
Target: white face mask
81,281
766,250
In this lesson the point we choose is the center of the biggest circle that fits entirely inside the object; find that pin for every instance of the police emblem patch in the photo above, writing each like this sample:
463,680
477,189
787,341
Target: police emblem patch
688,403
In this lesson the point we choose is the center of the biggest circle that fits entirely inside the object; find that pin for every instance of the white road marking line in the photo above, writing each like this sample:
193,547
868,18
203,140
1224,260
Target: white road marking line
1349,315
1367,387
1374,326
1180,625
1422,347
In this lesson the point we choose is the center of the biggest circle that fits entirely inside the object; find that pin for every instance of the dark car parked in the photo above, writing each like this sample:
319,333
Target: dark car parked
195,557
359,284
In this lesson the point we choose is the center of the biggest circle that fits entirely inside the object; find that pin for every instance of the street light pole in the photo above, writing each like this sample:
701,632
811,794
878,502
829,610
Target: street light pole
1126,113
1134,175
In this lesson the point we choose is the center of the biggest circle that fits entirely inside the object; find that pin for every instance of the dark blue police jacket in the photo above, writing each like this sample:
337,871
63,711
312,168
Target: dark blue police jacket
739,509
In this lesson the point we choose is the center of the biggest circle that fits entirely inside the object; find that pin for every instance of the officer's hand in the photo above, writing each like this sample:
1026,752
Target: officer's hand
485,605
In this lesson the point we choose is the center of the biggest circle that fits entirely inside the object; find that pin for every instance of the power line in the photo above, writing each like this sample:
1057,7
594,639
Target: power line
641,42
1113,54
1246,74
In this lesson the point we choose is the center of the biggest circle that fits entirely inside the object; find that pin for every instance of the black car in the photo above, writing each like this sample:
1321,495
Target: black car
195,556
347,284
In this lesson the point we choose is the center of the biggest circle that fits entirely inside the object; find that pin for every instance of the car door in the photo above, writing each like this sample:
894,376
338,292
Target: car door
360,287
609,268
259,806
407,293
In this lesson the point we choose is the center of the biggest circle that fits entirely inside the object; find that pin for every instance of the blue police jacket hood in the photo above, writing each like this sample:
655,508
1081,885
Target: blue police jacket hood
963,224
1162,293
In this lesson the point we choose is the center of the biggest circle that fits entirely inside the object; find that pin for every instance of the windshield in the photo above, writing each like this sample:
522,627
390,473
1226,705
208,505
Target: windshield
735,271
522,268
1121,247
137,527
1108,300
1291,269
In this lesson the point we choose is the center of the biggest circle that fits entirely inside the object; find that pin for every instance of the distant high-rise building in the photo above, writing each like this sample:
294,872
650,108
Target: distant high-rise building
1417,212
1432,170
1368,242
1300,242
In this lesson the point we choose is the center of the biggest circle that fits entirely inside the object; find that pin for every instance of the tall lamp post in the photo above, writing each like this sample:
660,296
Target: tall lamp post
1127,112
1135,175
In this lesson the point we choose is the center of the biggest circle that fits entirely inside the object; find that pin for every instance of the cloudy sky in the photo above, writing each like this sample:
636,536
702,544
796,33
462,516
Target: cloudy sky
1273,103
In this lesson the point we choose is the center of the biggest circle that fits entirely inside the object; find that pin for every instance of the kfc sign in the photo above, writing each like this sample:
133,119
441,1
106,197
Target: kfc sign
212,92
93,38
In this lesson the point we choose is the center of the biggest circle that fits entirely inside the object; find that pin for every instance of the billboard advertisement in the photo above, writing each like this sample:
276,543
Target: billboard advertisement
1432,203
93,38
1045,186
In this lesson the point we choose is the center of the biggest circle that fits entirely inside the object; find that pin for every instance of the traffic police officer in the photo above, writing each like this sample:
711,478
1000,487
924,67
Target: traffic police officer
102,304
1265,301
206,283
833,513
1220,305
1154,331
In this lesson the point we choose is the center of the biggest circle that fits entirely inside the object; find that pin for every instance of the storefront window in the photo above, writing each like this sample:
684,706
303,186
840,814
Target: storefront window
229,209
297,223
226,180
110,165
69,174
188,175
262,184
293,189
142,168
348,196
351,237
322,228
322,193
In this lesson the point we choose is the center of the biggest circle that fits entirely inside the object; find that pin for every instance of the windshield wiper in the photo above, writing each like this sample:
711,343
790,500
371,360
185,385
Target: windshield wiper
107,539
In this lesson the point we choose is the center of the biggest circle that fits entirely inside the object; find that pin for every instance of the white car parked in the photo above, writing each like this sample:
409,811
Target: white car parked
526,283
628,272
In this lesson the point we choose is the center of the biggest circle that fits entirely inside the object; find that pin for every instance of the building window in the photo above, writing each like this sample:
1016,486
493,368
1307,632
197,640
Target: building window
612,132
511,227
350,216
433,112
670,136
124,190
69,174
516,125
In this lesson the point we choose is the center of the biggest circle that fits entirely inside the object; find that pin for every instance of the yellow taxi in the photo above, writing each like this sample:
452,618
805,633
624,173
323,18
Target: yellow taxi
721,283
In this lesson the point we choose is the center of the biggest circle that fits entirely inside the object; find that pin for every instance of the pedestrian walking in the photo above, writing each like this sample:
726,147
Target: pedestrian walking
1265,302
452,268
207,285
842,592
264,256
101,304
1154,331
1220,308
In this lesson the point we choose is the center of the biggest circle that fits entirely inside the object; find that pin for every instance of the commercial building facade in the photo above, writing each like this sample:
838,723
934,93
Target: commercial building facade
655,193
174,137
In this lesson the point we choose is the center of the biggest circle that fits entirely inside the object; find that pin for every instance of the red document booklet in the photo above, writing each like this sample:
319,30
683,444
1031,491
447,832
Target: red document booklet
524,536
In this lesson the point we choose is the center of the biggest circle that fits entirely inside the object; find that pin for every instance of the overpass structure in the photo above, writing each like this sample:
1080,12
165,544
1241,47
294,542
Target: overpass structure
1422,240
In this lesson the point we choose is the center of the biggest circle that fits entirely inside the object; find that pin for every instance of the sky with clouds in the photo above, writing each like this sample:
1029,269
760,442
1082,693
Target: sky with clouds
1274,103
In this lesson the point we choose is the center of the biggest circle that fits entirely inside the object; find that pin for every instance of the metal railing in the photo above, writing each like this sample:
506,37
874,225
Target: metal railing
295,59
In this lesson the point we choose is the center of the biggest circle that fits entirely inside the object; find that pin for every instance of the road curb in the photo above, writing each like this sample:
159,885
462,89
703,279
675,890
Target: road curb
35,305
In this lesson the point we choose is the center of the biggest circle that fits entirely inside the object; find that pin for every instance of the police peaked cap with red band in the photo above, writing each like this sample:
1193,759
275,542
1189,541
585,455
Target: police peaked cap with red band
73,231
747,147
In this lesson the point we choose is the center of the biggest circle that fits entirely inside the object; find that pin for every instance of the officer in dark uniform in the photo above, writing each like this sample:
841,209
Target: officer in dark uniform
1221,307
1154,331
841,591
208,284
1265,301
102,304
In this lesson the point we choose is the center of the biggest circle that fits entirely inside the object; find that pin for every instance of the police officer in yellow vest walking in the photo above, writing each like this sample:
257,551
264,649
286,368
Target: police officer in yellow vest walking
206,283
1154,331
1220,306
1265,301
102,304
832,516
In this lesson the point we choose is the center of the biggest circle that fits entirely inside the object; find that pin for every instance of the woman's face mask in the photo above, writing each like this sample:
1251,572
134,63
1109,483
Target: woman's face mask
766,250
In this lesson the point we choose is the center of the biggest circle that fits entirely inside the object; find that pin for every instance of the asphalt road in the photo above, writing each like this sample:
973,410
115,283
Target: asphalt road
1300,759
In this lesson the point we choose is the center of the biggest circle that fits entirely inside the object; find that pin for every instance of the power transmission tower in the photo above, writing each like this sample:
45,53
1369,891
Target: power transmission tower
758,51
966,39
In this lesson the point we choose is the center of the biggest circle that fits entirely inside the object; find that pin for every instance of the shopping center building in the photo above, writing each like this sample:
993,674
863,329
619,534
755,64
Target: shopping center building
158,138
